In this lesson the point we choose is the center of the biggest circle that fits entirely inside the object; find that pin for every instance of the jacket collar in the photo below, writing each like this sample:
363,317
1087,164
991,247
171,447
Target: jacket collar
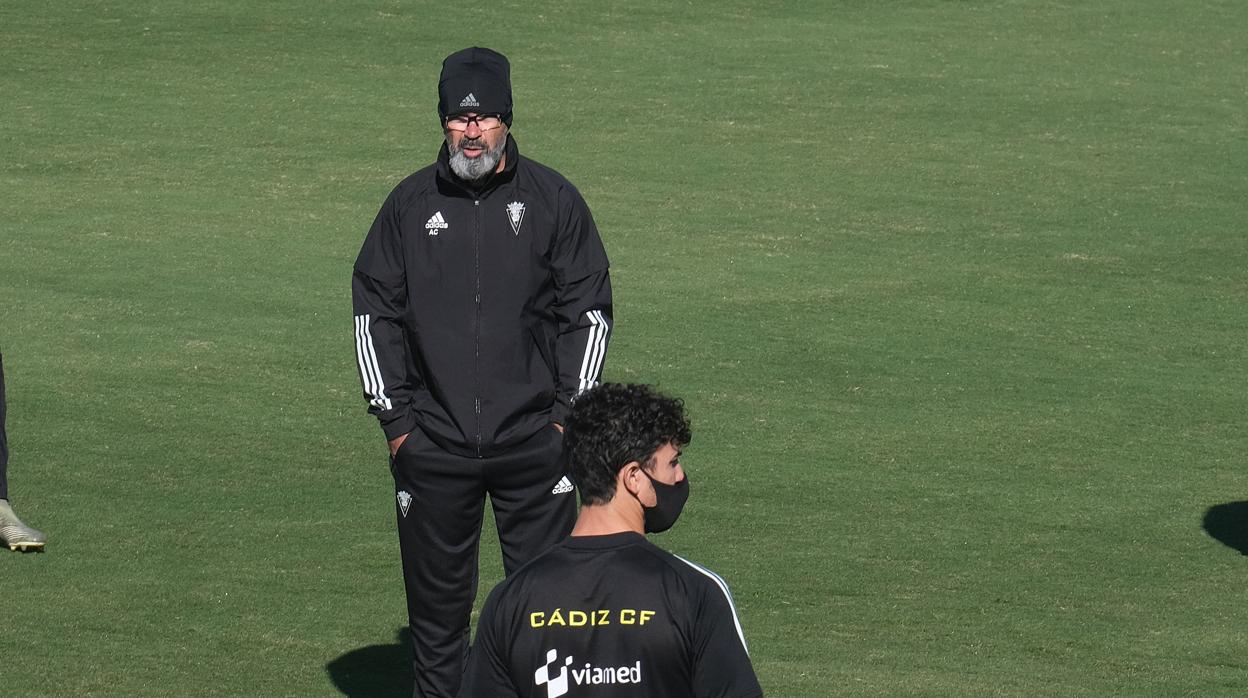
486,185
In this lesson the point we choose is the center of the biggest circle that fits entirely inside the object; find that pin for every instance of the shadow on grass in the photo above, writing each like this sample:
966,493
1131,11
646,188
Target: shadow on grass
376,671
1228,524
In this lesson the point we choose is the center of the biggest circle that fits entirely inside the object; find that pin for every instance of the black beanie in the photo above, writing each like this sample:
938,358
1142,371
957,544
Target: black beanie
475,80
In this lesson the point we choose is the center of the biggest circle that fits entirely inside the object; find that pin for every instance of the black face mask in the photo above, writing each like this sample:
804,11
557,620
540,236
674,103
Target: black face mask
669,501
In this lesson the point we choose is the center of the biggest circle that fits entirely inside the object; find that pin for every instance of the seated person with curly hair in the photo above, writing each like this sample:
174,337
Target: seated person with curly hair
605,612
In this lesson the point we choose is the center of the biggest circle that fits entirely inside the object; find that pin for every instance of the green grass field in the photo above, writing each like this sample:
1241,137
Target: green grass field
956,293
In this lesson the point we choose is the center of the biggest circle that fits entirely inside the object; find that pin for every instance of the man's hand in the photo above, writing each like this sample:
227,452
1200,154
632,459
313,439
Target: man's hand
395,444
558,426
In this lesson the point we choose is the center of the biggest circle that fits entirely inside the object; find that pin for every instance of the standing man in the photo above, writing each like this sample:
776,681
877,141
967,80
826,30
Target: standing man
13,531
482,308
606,613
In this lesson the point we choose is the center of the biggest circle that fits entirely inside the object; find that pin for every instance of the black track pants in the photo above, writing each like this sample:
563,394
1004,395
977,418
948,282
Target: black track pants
440,526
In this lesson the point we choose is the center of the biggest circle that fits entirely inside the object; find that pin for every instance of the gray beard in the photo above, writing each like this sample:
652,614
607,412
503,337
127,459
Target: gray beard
480,167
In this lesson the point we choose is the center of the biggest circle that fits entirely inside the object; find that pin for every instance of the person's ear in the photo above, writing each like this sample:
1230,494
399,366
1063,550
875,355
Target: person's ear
631,477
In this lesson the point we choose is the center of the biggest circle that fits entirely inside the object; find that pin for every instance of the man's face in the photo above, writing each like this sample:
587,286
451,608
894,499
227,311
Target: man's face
667,465
475,151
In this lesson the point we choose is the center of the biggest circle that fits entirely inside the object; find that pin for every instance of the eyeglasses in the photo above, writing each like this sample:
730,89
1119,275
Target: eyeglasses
485,122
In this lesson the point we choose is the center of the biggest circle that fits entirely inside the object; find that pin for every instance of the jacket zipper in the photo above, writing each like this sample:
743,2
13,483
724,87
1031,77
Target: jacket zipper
476,347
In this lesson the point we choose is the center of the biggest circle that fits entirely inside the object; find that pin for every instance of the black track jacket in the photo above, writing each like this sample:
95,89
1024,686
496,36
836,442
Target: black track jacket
480,314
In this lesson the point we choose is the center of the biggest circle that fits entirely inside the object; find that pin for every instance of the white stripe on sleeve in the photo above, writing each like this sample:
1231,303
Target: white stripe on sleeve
366,358
595,350
723,586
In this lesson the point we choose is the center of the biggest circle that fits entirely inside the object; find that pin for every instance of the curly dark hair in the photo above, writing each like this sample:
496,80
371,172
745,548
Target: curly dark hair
613,425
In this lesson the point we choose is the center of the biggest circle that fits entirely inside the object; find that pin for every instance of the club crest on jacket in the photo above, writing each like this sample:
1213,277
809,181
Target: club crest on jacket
515,213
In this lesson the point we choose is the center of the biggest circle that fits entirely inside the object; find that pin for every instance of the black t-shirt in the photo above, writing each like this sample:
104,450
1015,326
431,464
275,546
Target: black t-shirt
610,616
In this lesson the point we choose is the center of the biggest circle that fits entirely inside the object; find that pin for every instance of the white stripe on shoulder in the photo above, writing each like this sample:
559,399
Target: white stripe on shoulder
723,586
